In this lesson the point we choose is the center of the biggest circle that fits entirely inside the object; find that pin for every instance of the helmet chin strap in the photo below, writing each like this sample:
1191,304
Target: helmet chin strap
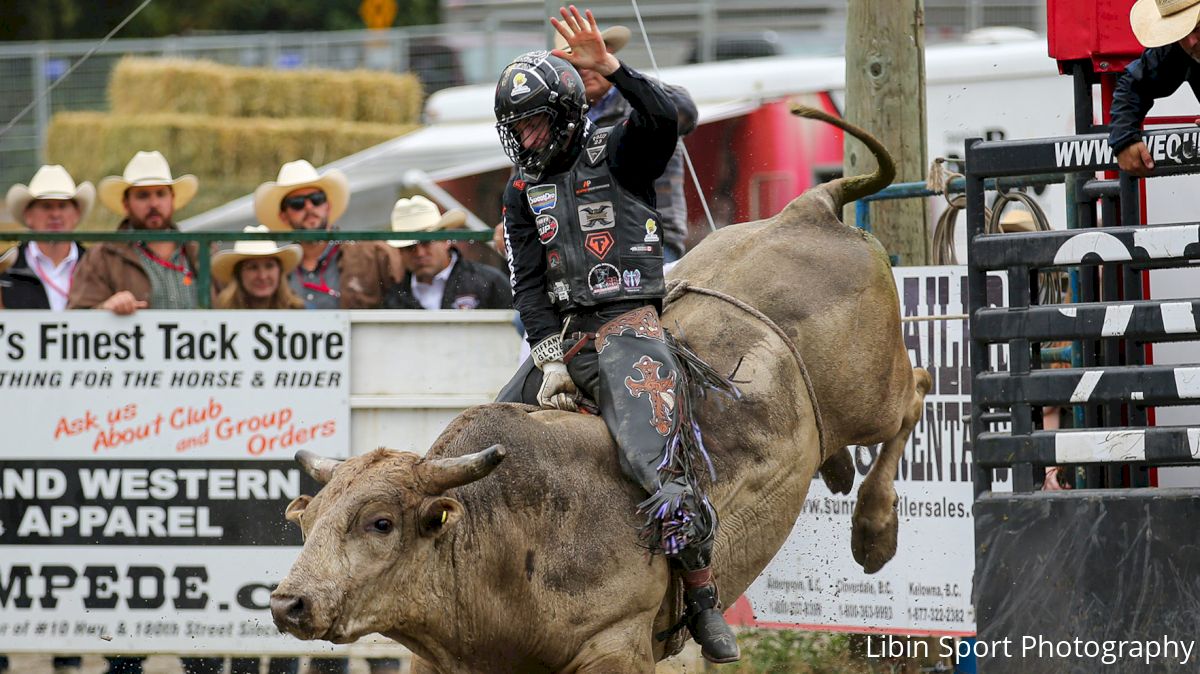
687,159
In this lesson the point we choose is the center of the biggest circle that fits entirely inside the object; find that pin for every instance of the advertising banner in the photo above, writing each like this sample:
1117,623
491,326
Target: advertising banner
146,467
814,582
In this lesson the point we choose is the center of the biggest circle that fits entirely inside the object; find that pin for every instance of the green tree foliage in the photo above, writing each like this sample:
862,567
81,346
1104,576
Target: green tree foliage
90,19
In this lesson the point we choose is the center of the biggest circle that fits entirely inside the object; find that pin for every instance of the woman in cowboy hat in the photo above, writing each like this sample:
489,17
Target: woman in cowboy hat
42,272
253,274
1168,29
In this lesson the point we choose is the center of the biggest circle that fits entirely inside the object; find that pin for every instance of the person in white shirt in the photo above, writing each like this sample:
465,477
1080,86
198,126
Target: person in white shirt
438,276
43,272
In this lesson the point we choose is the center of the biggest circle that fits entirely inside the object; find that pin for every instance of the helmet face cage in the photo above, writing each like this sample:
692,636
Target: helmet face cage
538,125
538,84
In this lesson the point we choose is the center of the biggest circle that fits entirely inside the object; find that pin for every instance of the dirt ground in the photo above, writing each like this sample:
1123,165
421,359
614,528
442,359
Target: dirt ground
688,662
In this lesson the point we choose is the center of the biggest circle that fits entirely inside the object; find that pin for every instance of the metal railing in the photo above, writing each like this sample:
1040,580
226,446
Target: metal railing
207,239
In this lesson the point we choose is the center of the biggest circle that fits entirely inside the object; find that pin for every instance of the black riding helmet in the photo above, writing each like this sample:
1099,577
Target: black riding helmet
542,96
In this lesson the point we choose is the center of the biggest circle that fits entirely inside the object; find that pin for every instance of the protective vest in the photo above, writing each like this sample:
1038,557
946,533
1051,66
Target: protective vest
603,244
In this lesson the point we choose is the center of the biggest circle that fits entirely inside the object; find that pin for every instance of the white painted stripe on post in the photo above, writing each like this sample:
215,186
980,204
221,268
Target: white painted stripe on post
1177,317
1160,242
1101,244
1116,319
1068,311
1137,395
1093,446
1193,436
1083,390
1187,382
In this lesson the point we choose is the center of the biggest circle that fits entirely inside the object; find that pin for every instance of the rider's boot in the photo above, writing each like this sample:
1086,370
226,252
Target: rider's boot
704,620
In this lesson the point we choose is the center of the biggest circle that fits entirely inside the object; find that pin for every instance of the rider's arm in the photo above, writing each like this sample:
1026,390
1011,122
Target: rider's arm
1157,74
642,146
527,266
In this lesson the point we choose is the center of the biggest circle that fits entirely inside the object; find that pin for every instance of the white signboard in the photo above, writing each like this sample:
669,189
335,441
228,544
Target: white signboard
146,466
814,582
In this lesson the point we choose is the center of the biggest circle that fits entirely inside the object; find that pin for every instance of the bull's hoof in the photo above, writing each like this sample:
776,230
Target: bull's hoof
838,471
873,534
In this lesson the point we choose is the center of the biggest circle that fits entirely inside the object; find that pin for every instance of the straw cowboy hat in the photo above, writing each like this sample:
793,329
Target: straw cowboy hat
615,38
225,261
8,258
146,169
1161,22
50,182
1017,220
419,214
268,197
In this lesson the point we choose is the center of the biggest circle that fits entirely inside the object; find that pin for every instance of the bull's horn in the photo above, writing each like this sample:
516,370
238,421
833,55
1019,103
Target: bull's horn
443,474
318,467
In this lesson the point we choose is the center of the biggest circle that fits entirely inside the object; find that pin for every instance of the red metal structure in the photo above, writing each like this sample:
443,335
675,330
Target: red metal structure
1096,31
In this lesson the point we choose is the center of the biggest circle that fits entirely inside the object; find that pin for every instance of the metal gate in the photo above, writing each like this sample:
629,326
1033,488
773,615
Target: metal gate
1113,560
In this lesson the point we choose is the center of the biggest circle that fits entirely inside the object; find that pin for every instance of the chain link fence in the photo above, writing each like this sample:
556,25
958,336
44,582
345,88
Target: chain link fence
481,36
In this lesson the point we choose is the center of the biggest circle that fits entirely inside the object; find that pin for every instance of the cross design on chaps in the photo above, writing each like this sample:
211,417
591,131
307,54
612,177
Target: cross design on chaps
660,392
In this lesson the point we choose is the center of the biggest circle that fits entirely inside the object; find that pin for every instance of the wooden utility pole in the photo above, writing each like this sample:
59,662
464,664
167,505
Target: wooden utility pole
885,94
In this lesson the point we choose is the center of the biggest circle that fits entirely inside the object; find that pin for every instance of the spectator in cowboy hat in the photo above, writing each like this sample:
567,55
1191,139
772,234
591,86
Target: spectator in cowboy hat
438,276
1169,31
125,277
41,272
331,275
608,108
254,274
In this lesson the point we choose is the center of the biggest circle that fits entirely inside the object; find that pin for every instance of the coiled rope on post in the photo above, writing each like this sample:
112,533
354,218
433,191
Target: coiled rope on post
1050,286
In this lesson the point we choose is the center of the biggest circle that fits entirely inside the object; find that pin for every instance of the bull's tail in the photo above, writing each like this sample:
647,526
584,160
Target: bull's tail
845,190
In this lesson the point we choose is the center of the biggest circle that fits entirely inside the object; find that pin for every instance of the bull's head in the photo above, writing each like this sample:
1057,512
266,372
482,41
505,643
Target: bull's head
369,538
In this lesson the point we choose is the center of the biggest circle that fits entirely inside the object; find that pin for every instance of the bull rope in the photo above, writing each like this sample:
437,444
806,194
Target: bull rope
677,288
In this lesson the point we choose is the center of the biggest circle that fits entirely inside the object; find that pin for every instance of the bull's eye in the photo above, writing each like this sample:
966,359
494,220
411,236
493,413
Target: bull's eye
383,525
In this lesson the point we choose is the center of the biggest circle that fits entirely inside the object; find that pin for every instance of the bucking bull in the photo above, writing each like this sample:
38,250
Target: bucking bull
512,545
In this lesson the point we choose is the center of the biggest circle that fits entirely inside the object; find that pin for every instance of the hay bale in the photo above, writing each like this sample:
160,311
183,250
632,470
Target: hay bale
204,88
388,99
230,155
180,85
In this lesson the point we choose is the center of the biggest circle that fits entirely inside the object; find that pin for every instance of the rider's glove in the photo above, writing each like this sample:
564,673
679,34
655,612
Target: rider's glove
558,390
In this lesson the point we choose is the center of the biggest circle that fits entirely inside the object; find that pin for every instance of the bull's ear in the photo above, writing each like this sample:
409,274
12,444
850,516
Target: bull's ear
438,515
296,508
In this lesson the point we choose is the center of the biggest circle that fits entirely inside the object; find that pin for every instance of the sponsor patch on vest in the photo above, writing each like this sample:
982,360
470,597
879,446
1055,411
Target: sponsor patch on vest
547,226
596,216
632,278
651,231
554,259
604,279
596,146
641,248
561,290
590,185
542,198
519,184
520,85
598,243
466,302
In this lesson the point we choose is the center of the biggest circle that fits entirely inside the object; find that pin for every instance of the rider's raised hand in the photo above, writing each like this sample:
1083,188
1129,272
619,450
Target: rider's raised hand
587,49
